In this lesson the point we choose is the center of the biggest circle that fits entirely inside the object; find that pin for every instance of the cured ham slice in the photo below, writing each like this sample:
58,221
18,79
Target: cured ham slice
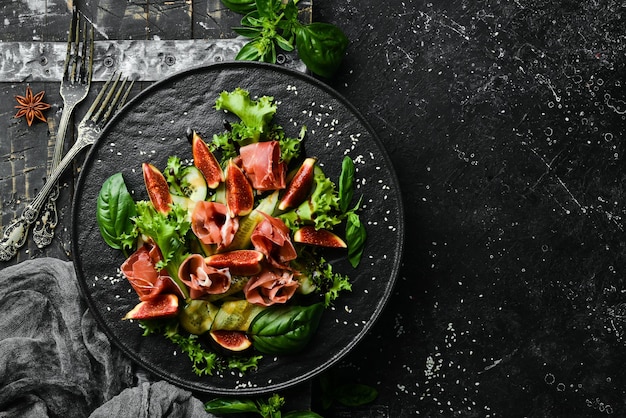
271,237
262,165
271,287
202,279
142,274
211,223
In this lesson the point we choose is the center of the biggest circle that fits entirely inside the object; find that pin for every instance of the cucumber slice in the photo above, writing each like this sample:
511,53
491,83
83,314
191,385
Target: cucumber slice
236,315
197,316
193,184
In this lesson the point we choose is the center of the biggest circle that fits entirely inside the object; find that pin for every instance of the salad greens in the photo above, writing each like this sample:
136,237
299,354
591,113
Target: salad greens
270,408
283,328
256,116
169,232
255,125
274,24
203,361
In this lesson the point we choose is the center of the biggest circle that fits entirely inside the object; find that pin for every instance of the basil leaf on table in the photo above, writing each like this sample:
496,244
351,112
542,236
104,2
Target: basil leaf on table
301,414
267,8
285,329
258,49
321,46
114,209
240,6
354,394
230,406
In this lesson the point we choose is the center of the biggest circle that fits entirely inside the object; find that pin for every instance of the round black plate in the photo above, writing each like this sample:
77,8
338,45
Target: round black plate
152,127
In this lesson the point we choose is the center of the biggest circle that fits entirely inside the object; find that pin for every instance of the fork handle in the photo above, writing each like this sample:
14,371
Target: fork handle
14,235
43,231
66,115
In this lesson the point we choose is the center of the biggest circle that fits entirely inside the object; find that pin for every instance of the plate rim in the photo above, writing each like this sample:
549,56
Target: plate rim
302,378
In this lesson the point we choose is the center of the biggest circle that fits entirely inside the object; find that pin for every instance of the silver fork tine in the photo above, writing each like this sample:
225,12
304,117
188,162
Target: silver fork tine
106,104
70,38
114,99
75,49
101,93
119,100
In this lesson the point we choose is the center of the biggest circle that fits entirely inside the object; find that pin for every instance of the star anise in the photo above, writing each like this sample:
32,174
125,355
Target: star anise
31,106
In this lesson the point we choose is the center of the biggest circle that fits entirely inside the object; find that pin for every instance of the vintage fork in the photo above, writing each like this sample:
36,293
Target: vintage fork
77,74
109,100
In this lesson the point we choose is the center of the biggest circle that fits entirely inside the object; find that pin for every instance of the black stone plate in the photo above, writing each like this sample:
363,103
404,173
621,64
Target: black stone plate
152,126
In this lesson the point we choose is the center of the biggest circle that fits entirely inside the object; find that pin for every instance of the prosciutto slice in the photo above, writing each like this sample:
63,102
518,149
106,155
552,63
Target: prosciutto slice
262,165
145,279
203,279
270,287
212,225
271,237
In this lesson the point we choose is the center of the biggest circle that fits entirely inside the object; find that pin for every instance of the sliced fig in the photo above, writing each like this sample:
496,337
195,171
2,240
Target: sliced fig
238,262
206,162
320,237
161,306
239,193
300,185
157,187
231,340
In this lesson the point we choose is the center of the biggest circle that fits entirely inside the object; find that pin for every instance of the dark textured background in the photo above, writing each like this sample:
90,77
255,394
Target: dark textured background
504,120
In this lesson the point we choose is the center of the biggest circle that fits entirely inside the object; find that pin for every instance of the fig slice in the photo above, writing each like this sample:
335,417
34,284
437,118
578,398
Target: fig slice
319,237
157,187
239,193
238,262
205,161
160,306
299,186
231,340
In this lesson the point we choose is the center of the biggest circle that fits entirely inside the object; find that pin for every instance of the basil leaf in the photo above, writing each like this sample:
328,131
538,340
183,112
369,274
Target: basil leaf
301,414
247,32
266,8
284,44
252,19
240,6
114,209
252,51
285,329
230,406
354,394
346,183
355,238
321,47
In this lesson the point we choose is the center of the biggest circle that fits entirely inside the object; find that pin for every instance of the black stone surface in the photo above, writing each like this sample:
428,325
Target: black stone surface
505,122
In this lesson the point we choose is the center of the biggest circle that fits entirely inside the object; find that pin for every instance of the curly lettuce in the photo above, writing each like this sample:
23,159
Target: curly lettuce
169,233
256,115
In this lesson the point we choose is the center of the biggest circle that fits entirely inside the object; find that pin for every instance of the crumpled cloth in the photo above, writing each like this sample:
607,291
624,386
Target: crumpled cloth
55,362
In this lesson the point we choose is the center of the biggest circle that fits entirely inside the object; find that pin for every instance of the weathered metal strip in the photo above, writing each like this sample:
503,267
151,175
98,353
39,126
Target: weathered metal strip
142,60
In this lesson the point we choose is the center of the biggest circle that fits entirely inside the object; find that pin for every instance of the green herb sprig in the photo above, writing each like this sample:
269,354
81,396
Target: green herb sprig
274,24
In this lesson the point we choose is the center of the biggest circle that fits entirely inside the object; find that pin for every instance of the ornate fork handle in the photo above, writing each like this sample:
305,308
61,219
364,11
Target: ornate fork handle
15,234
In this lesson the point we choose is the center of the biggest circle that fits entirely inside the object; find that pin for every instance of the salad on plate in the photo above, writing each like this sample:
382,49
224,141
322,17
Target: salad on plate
228,254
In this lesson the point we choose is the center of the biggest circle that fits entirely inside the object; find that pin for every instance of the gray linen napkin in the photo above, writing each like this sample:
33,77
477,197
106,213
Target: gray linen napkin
55,362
